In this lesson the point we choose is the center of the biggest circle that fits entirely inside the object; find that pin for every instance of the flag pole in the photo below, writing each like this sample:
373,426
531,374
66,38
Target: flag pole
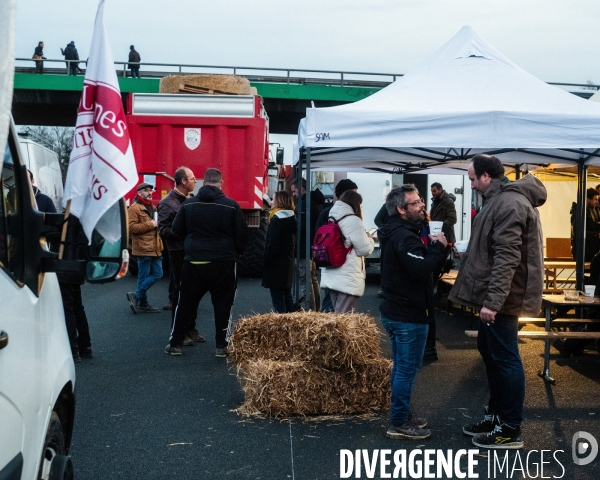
63,236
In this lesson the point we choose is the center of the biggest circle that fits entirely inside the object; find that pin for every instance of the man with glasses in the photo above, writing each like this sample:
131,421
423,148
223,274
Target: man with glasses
185,182
147,246
407,306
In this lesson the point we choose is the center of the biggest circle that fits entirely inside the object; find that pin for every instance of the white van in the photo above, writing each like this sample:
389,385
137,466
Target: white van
37,374
44,165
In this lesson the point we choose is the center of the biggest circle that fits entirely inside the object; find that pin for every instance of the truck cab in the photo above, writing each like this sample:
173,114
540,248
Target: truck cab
37,373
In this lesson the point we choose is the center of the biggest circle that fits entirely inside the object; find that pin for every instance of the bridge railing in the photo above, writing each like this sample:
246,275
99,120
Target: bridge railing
268,74
260,74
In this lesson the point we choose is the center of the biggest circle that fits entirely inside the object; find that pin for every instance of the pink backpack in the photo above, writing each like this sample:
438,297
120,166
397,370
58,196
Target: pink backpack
328,249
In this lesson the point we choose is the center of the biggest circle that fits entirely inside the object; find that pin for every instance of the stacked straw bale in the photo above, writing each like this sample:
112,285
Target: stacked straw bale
310,363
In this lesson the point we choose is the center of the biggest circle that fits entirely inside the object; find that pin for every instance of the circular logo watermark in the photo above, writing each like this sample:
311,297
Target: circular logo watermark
585,448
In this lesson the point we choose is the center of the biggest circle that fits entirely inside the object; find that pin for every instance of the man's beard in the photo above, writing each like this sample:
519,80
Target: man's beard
416,217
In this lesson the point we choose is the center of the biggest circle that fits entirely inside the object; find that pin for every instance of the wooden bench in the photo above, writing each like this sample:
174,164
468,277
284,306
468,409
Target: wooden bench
547,335
560,321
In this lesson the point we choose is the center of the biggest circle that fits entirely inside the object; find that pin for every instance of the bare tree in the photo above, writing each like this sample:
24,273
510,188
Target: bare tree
57,139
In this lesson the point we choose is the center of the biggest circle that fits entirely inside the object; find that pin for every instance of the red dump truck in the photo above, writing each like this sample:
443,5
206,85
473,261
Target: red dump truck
228,132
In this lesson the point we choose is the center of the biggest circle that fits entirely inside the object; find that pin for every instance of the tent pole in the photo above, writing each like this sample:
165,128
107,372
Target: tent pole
517,171
308,276
298,228
580,225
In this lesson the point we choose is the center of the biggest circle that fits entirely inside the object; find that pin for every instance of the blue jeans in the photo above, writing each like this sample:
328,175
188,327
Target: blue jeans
498,345
326,305
282,300
408,344
149,271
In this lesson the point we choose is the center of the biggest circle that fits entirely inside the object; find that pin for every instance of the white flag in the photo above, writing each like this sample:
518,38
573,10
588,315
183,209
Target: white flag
101,168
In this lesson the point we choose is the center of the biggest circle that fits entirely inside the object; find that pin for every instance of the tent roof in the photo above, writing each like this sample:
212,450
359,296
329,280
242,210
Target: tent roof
464,99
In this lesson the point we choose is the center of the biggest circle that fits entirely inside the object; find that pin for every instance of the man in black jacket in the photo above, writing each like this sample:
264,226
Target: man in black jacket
185,182
407,307
134,59
70,53
215,235
44,202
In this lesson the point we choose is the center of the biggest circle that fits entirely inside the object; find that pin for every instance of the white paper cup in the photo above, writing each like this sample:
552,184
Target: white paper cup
435,228
589,290
461,246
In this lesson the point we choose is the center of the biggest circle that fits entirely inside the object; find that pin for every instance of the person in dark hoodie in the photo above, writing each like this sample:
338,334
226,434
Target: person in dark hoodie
502,276
443,209
279,252
70,290
44,202
185,182
70,53
408,304
216,235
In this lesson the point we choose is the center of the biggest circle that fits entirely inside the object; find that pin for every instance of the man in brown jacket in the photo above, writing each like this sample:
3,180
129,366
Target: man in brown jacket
147,246
502,276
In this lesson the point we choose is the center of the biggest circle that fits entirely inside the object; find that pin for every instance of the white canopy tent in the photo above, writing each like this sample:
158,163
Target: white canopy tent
466,98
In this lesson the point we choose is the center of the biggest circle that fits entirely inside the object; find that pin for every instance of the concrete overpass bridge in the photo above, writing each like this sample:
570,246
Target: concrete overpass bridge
52,98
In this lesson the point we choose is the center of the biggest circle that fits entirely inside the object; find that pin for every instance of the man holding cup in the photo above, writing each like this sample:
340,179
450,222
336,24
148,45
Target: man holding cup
501,275
407,307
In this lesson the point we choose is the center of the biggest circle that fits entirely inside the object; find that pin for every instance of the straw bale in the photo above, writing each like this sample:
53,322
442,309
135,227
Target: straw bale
281,389
324,339
226,83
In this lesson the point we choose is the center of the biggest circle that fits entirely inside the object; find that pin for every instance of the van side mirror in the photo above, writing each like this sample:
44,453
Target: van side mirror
108,261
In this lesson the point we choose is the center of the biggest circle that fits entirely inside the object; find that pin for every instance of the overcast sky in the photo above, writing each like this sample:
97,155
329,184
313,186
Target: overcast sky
555,40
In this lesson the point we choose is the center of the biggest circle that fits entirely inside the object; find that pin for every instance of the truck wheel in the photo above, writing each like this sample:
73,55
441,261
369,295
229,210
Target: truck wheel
55,450
61,468
251,263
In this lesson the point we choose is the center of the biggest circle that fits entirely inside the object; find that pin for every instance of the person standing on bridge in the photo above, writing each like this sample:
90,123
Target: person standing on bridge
71,54
38,56
134,62
216,235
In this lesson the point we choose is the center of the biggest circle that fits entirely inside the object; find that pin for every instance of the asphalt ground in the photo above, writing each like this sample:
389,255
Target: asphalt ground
142,414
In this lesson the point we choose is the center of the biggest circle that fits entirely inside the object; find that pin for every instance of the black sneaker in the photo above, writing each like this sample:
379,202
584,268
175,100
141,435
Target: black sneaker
86,352
430,354
168,306
503,437
415,421
174,351
76,356
222,352
188,342
195,336
407,431
133,302
147,309
485,426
